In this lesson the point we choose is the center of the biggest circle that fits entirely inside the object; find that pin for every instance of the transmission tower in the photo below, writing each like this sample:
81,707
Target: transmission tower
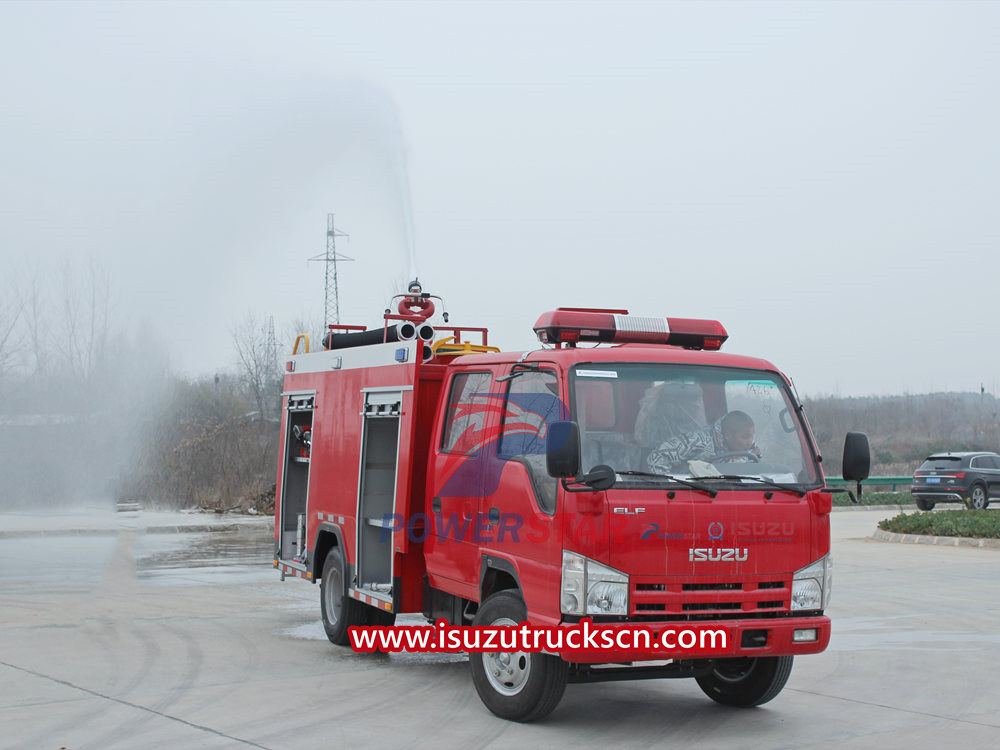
331,302
271,350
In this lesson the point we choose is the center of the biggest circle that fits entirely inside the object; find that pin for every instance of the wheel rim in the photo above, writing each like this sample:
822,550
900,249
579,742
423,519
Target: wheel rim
736,671
507,672
978,498
331,597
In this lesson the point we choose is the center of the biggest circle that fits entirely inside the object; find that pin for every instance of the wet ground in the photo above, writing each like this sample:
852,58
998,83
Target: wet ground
73,552
127,637
204,558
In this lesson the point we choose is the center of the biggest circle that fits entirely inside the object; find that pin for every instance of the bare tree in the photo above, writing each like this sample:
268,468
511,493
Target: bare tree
312,326
257,363
202,449
10,313
86,304
33,321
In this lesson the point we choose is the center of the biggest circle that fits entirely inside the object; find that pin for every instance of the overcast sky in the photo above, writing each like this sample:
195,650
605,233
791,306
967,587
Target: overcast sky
822,178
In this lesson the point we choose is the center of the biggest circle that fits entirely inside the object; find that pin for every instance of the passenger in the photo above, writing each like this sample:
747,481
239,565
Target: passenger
730,438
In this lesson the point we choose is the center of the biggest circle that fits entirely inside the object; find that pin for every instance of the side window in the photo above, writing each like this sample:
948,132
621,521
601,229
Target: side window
993,462
532,403
978,463
465,417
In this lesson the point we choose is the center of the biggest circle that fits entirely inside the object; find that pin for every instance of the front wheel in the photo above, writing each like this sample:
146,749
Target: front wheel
924,504
519,685
746,682
978,499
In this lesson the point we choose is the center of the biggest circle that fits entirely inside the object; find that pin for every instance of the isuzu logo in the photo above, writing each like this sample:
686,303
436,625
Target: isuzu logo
721,554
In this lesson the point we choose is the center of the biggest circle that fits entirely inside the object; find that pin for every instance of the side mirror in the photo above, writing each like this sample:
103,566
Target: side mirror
857,457
601,477
562,449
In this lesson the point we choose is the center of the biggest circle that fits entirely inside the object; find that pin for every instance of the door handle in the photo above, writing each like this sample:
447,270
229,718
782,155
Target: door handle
436,505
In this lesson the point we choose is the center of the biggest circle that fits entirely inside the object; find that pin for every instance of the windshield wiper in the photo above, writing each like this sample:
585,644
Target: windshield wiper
777,485
670,477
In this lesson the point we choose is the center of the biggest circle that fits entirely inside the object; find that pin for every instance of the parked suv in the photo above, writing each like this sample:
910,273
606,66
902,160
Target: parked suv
969,477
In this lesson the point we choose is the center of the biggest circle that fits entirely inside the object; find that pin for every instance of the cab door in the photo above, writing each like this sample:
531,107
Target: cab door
455,483
522,529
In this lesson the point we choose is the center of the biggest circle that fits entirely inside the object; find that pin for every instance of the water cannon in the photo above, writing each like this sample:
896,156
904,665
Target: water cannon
409,322
416,305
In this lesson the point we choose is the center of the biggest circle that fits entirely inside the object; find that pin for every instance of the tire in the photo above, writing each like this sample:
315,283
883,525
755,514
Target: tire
339,611
746,682
516,686
924,504
380,617
978,499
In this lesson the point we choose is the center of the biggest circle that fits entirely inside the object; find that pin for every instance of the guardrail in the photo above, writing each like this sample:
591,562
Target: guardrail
875,481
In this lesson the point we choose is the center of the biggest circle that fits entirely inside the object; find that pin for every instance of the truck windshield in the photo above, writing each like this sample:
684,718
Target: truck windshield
654,422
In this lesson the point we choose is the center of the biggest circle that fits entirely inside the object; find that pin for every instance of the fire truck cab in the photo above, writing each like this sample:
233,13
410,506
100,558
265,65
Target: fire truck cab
645,478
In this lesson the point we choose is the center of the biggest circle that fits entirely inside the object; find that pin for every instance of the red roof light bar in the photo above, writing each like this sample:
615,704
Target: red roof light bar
570,325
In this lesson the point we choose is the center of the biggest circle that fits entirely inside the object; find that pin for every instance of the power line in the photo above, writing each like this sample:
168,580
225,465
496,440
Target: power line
331,297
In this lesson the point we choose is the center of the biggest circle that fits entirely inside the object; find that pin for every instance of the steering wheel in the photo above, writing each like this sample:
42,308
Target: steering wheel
736,454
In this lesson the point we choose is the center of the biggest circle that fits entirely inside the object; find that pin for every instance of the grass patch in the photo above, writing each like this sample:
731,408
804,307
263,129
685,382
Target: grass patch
979,524
874,498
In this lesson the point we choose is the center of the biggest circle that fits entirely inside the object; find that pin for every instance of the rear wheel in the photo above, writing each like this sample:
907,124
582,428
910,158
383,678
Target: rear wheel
519,685
746,682
924,504
978,499
380,617
339,611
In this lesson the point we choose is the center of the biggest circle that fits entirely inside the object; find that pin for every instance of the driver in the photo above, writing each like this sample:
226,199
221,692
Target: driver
733,433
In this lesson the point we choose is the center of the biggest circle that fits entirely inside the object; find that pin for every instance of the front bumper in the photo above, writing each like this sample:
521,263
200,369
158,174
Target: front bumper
742,638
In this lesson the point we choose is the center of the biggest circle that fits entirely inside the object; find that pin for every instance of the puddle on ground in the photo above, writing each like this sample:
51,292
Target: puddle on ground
54,563
204,558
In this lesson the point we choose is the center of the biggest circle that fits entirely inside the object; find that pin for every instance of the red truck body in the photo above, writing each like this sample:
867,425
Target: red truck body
424,487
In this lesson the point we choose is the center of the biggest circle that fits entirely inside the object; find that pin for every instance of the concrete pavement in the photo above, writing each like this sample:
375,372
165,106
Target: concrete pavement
132,639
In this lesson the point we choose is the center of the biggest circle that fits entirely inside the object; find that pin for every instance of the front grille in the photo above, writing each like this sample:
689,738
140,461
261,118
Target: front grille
712,586
669,597
716,605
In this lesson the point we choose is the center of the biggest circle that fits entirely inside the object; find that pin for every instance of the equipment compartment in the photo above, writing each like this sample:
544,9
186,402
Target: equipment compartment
295,486
376,501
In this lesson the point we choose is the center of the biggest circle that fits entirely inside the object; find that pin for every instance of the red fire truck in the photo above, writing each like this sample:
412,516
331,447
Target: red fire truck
598,476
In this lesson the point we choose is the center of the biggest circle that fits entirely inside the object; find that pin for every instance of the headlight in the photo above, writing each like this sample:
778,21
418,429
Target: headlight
589,588
811,586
